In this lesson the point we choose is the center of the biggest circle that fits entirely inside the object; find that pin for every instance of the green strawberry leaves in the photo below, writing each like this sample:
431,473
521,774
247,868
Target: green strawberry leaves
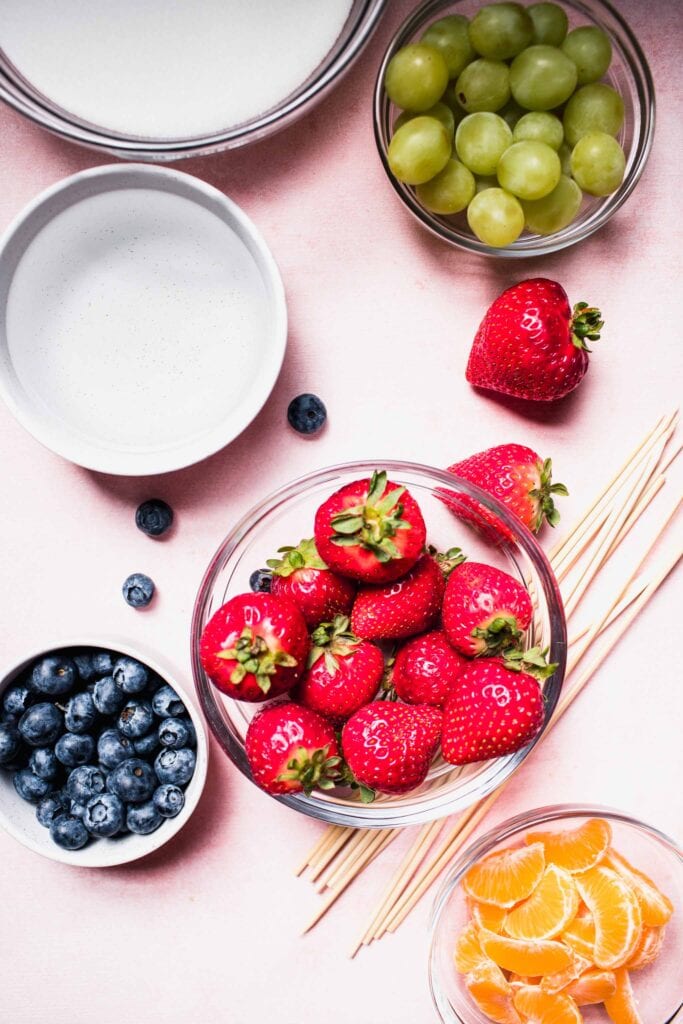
312,769
543,496
303,556
374,522
534,662
587,323
332,640
254,657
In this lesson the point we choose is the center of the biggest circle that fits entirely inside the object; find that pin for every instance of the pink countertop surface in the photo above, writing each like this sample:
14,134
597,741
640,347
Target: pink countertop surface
206,930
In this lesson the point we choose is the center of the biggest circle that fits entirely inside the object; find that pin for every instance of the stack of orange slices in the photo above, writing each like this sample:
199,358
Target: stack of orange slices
557,924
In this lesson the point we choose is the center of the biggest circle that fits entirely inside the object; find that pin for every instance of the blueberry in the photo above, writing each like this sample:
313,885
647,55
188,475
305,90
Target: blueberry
49,807
260,581
175,766
80,712
68,832
112,748
176,732
84,783
103,663
103,815
147,745
41,724
306,414
76,809
29,786
54,675
169,800
143,818
136,719
85,665
17,700
10,742
132,781
154,517
43,762
138,590
167,704
107,697
130,675
73,749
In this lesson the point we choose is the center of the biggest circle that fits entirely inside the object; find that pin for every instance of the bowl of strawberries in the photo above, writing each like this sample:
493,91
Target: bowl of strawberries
379,645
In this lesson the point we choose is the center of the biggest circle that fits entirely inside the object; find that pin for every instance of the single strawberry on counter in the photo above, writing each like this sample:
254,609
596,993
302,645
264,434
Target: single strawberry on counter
344,671
370,530
303,577
531,344
388,747
425,669
291,749
255,647
485,610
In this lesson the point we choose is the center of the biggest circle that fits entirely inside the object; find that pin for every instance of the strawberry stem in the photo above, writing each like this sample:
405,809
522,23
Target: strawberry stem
312,768
372,523
543,496
332,640
534,662
303,556
587,323
254,657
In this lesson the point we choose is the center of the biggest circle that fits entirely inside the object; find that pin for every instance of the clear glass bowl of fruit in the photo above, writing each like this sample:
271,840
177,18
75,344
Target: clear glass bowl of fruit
514,131
564,914
368,675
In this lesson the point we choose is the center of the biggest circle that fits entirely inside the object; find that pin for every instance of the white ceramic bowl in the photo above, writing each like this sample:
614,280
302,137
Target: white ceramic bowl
142,319
19,817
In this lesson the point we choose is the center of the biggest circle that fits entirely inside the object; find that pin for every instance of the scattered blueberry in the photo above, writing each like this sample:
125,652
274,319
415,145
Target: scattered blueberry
169,800
130,675
175,766
154,517
84,783
143,818
132,781
68,832
112,748
10,742
49,806
43,762
167,704
85,666
138,590
73,749
53,675
176,732
103,663
104,815
80,712
41,724
147,745
107,697
29,786
17,700
306,414
260,581
136,719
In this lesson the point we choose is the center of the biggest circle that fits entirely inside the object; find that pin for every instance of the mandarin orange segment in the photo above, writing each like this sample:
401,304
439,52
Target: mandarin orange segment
655,907
525,957
468,952
558,982
549,909
616,914
575,849
592,987
621,1007
580,935
506,877
539,1007
487,916
490,991
648,949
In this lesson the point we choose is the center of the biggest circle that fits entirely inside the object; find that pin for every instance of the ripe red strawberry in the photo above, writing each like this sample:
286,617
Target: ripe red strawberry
388,747
492,711
255,647
485,610
425,670
302,576
290,749
531,345
344,673
370,530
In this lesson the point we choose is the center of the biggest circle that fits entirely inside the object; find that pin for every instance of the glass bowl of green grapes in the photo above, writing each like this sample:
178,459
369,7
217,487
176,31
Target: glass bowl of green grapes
513,130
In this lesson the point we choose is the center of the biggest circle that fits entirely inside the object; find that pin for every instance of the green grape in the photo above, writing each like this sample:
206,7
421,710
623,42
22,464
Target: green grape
440,111
416,77
511,113
590,49
486,181
496,217
483,85
450,191
593,108
550,23
542,77
598,164
565,155
501,31
529,170
556,210
419,150
538,126
481,140
451,37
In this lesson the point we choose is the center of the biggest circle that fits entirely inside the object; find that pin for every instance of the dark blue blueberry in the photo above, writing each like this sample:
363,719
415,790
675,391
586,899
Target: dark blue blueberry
43,762
136,719
154,517
112,748
130,675
41,725
80,712
73,749
85,665
17,700
104,815
176,732
260,581
10,742
84,783
175,766
169,800
49,806
54,675
143,818
146,745
68,832
103,663
29,786
132,781
76,809
167,704
306,414
107,697
138,590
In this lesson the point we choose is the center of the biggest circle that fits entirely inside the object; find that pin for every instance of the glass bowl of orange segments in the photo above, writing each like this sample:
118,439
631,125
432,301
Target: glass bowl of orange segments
643,939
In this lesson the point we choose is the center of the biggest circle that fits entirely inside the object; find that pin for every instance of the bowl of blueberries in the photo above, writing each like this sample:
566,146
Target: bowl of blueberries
102,758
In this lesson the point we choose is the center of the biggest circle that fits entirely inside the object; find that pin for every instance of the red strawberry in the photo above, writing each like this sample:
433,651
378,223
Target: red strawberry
492,710
425,670
344,674
389,747
485,610
302,576
291,749
370,530
255,646
531,345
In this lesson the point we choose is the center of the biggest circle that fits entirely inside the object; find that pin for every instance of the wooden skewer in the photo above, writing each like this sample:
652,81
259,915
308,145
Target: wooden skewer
566,562
358,840
635,591
345,837
326,838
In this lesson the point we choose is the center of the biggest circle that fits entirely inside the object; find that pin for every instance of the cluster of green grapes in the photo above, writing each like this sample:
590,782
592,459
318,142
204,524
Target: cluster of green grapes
505,116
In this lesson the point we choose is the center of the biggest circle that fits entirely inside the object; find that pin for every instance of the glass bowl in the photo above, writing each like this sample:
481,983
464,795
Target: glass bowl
20,94
629,74
286,517
657,988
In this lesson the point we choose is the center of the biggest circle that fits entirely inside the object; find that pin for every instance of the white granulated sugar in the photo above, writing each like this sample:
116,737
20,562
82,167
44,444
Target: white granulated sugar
166,69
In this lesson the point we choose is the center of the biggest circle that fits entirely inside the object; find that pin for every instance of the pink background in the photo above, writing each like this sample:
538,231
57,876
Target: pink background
382,317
